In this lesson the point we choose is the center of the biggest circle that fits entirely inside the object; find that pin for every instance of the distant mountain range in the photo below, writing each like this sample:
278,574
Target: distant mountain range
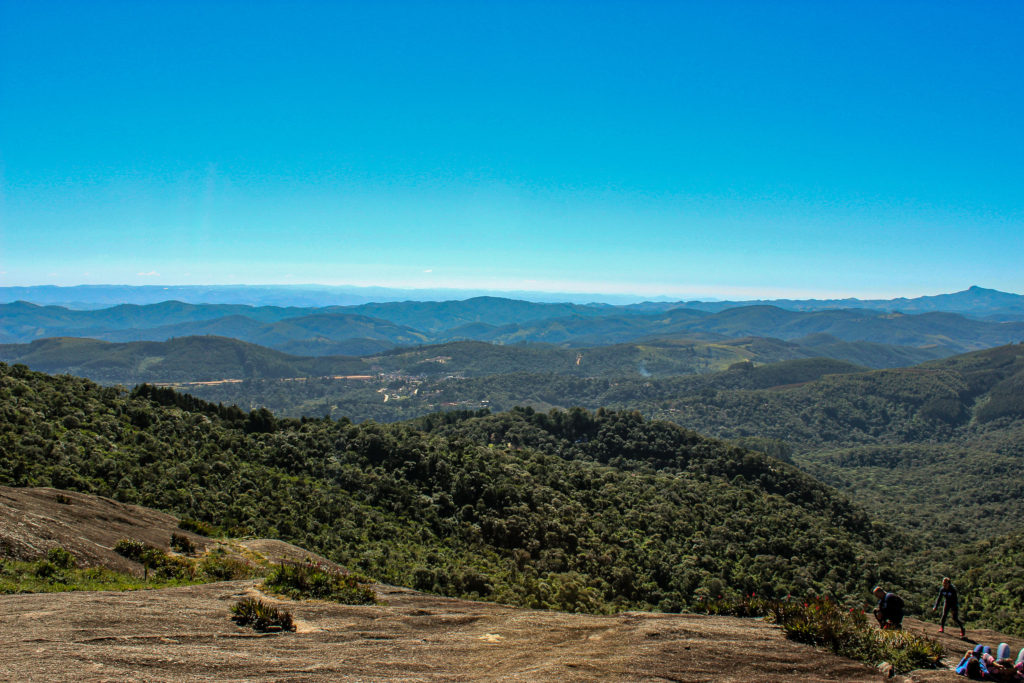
974,302
374,328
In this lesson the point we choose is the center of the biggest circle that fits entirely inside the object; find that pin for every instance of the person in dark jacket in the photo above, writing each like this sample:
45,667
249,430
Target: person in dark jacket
950,605
889,612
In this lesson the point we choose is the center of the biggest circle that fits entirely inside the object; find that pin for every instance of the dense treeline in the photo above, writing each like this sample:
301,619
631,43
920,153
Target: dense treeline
575,510
989,573
206,358
937,448
503,391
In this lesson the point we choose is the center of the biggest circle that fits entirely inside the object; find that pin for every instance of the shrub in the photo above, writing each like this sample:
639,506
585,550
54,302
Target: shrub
307,581
183,544
847,632
61,558
151,557
261,616
222,568
44,569
131,549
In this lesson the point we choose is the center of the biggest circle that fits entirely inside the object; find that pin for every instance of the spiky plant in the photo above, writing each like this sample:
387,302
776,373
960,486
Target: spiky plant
261,616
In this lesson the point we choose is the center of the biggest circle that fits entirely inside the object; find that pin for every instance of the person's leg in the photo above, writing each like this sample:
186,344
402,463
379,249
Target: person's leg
955,612
945,613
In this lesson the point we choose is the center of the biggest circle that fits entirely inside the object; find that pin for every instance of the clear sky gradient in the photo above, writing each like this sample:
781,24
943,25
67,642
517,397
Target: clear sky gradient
730,149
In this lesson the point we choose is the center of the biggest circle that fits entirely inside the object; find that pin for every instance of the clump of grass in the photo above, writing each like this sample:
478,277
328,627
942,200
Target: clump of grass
220,567
308,581
845,631
261,616
54,567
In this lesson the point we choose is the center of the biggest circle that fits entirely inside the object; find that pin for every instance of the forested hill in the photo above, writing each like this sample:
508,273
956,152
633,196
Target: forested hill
188,359
211,358
575,510
938,448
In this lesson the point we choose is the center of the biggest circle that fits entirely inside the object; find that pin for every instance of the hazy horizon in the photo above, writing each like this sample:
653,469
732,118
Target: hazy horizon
378,293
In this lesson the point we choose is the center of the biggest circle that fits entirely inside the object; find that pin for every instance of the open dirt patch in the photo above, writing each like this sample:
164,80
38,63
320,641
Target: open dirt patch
180,634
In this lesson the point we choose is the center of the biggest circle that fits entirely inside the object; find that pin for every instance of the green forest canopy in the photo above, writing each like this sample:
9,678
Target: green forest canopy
575,510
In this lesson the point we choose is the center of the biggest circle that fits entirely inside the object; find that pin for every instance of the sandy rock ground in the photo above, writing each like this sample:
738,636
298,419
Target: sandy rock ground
186,634
33,520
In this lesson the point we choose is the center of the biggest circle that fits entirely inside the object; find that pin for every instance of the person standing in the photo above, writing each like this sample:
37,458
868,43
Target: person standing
950,600
889,612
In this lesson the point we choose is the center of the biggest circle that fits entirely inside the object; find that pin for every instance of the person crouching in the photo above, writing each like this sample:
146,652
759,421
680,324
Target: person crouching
889,612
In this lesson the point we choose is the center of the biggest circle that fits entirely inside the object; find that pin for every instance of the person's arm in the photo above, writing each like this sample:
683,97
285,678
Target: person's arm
938,599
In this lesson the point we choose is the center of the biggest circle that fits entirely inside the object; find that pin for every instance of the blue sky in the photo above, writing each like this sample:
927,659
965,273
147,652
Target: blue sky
731,149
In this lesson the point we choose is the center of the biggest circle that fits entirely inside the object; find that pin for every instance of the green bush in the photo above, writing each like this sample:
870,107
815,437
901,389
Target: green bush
44,569
845,631
307,581
131,549
261,616
153,558
61,558
220,568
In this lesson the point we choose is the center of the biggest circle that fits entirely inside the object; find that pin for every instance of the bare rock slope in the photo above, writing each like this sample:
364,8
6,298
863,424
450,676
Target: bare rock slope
185,634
